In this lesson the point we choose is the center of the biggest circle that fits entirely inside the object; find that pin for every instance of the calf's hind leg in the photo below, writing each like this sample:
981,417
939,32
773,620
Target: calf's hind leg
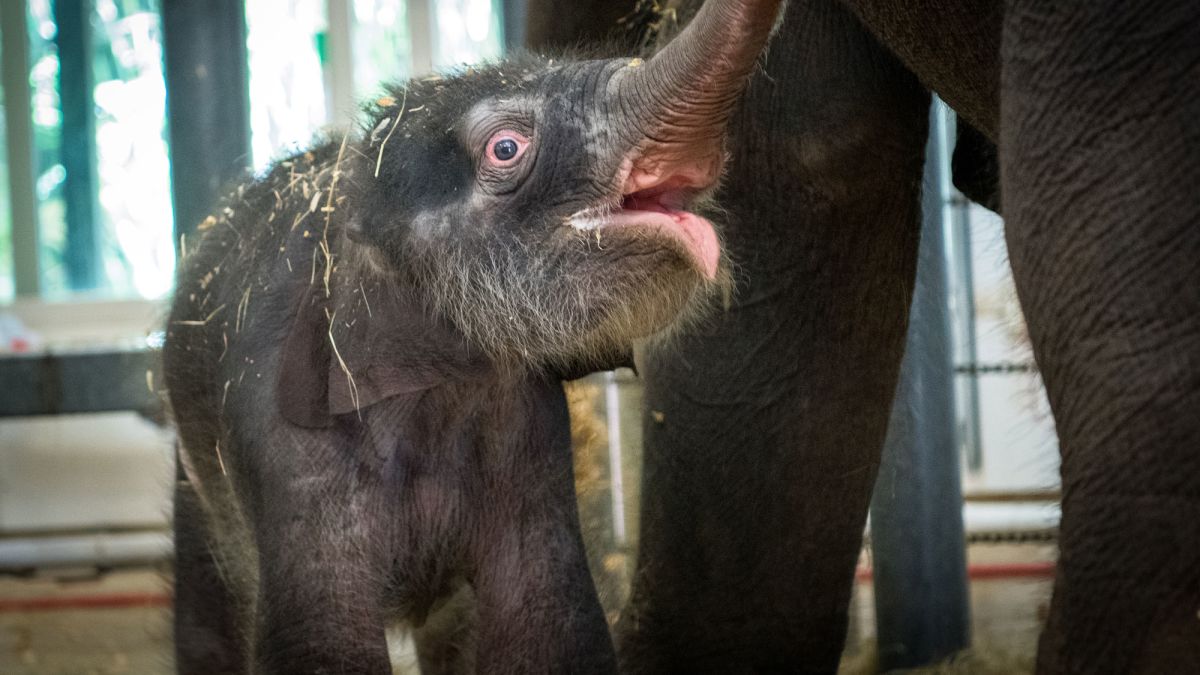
209,635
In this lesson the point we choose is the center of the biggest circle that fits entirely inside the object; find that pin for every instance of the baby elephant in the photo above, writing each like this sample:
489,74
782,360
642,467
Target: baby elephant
367,345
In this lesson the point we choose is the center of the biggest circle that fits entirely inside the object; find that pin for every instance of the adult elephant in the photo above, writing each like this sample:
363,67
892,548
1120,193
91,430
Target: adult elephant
767,423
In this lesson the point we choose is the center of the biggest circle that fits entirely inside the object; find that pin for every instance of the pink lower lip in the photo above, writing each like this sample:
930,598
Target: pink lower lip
696,234
656,201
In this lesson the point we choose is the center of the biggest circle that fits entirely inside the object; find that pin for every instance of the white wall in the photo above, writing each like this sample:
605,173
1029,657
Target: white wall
83,471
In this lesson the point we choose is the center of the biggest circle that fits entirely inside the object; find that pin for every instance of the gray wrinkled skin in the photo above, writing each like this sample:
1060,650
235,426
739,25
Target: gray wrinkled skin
1085,128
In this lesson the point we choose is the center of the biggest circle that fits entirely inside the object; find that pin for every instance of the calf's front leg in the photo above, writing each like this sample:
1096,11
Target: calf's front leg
538,608
538,611
321,577
317,615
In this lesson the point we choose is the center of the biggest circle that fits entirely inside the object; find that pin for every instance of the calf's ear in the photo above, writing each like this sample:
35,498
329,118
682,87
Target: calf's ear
366,343
387,344
302,391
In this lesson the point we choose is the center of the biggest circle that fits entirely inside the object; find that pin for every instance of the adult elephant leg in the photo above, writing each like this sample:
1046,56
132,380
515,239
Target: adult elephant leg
764,425
1101,137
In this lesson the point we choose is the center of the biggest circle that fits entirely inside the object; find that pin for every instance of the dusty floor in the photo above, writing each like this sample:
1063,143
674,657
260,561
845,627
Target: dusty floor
133,637
41,636
1006,613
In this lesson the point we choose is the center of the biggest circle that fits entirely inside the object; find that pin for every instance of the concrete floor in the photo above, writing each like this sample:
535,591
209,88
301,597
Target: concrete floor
85,641
136,639
1006,615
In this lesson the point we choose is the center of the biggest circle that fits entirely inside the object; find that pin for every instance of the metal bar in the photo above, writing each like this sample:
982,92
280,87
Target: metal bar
616,479
89,531
73,40
104,550
1013,496
422,30
340,108
19,136
1049,535
208,103
92,601
921,600
963,269
513,22
997,368
53,384
985,571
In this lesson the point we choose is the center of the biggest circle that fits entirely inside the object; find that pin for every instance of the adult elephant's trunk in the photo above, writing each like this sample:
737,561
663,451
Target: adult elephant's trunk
683,96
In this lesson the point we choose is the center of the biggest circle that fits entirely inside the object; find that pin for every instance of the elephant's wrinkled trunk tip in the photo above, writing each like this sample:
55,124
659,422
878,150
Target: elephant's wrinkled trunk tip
689,88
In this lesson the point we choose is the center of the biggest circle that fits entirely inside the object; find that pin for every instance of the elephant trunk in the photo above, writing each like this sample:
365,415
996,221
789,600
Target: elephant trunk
684,95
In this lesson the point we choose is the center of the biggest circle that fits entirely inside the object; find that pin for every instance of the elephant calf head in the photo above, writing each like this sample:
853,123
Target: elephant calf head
548,208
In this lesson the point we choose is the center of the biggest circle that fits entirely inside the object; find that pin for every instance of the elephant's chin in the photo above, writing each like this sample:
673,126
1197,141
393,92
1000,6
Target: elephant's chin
675,297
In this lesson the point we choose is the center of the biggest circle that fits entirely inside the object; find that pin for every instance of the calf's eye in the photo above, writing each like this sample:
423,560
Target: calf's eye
506,147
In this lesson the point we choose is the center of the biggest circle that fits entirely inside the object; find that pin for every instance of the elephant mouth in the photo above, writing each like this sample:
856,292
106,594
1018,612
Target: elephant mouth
658,205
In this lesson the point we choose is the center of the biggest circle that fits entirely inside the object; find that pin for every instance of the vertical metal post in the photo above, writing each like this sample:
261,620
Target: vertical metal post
514,24
965,273
208,104
921,599
339,64
73,41
422,30
19,136
616,479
